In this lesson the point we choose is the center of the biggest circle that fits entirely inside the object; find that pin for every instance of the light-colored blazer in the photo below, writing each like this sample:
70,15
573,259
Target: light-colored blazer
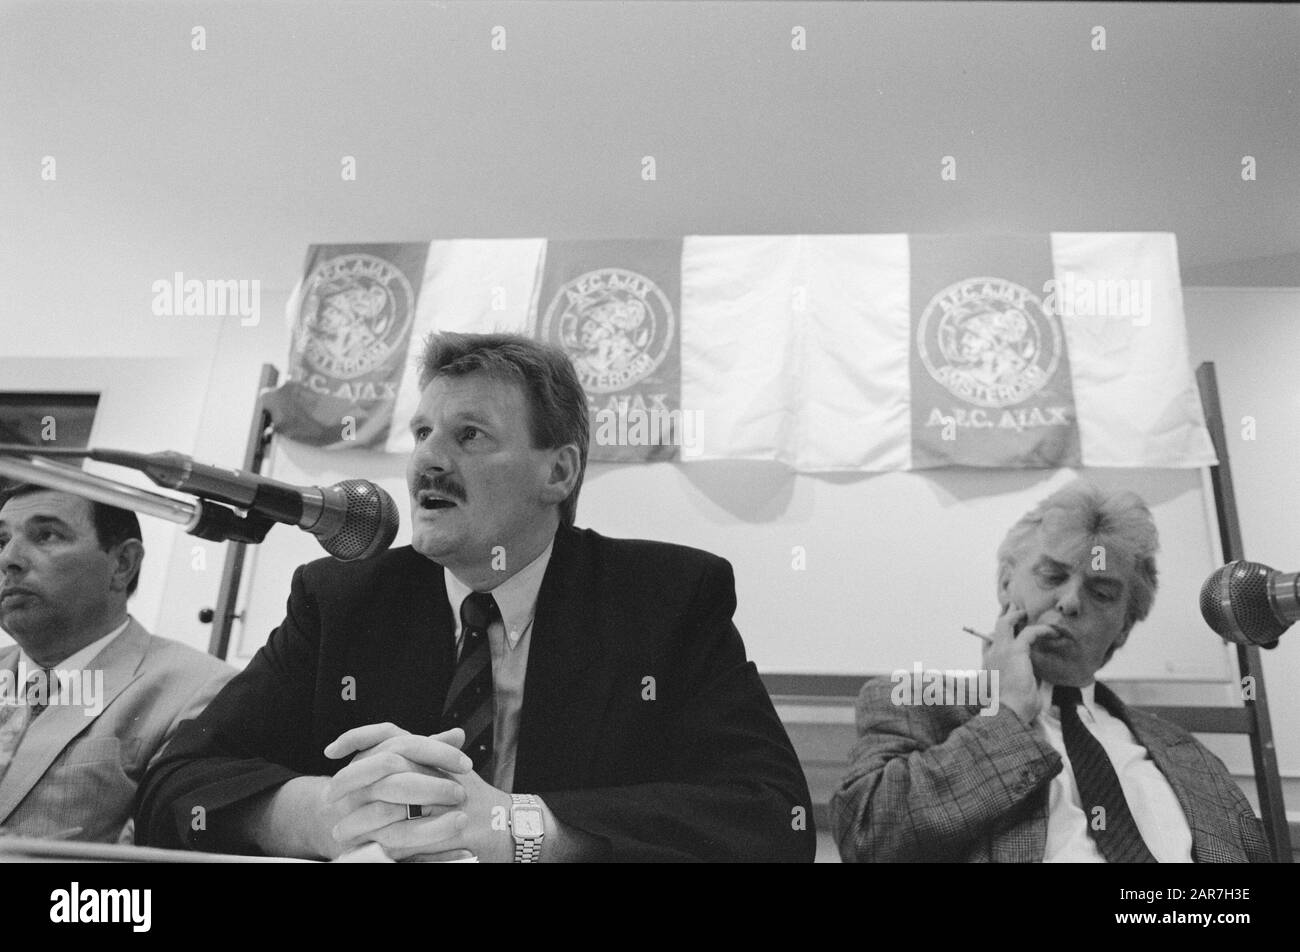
943,784
78,770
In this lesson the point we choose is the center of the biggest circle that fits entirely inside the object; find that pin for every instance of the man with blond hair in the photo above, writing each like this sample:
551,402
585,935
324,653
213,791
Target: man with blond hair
1060,770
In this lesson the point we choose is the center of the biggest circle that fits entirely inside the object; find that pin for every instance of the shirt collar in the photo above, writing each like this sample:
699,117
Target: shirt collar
1088,692
79,660
516,597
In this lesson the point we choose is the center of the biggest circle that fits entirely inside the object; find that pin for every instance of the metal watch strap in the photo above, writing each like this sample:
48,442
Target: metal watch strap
530,849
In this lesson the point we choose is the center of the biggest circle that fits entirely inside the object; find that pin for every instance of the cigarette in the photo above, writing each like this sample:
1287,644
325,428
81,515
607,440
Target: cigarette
985,638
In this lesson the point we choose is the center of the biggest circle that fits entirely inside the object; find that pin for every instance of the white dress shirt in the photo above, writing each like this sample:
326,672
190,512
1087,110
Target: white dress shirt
1151,800
74,662
16,719
508,638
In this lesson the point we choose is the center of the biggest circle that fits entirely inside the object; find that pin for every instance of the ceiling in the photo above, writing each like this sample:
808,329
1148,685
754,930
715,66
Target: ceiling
226,161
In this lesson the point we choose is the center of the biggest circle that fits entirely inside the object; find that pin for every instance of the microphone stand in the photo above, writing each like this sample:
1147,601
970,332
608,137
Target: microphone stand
204,519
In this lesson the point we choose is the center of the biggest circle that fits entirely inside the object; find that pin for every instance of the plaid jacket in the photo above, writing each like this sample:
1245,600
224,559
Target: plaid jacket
942,784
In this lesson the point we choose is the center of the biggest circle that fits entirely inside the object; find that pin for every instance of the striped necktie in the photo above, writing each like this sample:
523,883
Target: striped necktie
39,700
470,701
1118,839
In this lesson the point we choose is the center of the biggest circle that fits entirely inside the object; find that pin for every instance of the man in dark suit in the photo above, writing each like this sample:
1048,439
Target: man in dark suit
1056,769
508,685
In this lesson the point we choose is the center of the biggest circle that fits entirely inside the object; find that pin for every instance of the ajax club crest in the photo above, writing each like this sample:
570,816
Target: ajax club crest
355,311
616,326
989,341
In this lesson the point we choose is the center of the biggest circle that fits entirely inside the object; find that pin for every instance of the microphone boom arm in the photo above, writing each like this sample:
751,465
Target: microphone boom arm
204,519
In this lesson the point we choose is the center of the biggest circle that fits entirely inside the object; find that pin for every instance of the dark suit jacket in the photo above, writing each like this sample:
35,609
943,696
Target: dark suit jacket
693,764
942,783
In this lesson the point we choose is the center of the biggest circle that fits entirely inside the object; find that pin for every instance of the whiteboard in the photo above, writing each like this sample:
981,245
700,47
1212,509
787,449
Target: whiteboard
894,564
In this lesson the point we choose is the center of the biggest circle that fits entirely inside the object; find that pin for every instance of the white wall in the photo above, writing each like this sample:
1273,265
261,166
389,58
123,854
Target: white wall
142,402
1253,337
194,570
184,384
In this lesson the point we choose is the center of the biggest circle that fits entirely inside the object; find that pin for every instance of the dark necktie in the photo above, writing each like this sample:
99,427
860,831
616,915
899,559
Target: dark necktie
470,701
1118,839
38,700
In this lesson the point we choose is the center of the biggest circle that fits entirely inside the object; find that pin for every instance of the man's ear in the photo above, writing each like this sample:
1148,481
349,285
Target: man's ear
1004,585
562,474
126,557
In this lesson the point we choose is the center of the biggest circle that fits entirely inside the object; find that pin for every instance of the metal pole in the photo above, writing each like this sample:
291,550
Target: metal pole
1263,751
259,437
71,479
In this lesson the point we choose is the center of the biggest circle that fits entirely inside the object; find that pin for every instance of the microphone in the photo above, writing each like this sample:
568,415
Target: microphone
1250,603
353,519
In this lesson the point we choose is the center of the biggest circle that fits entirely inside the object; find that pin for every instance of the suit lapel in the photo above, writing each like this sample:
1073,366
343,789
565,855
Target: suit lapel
1166,760
564,695
58,725
410,652
1166,751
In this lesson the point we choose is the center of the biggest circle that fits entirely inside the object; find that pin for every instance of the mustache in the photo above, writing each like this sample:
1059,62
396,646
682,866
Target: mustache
440,483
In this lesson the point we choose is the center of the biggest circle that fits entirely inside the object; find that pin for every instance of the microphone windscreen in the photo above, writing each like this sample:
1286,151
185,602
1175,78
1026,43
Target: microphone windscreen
1235,603
369,523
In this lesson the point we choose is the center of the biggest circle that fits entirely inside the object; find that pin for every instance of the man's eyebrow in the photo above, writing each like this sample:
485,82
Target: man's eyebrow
41,520
1047,562
1109,581
463,416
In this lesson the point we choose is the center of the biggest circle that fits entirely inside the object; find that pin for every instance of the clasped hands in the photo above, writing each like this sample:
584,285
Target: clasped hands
366,801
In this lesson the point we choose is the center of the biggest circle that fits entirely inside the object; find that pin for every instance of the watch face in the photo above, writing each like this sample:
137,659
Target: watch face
528,823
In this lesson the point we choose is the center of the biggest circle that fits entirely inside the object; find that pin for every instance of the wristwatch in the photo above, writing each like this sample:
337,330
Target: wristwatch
526,826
